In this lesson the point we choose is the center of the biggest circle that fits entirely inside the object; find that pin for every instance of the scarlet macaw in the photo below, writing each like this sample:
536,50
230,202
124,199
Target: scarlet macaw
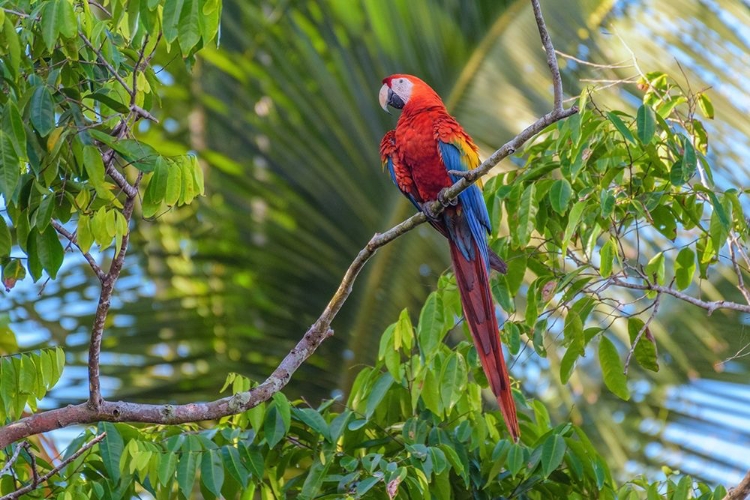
420,154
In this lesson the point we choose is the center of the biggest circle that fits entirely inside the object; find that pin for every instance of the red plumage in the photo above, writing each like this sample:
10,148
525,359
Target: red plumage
426,144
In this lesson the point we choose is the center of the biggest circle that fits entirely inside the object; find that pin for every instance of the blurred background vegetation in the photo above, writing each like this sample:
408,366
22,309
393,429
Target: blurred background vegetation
285,119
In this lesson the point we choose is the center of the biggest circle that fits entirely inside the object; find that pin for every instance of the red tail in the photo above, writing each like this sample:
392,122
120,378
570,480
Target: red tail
473,283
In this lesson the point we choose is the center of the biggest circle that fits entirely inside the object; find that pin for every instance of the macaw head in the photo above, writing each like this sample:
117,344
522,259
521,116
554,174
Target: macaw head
400,91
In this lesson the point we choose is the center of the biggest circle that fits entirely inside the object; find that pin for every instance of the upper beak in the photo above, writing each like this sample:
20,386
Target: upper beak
385,97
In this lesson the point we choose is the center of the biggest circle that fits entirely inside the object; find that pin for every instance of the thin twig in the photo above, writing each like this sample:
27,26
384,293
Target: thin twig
593,65
551,58
74,241
100,7
106,64
708,306
40,480
741,491
13,459
643,330
737,270
137,68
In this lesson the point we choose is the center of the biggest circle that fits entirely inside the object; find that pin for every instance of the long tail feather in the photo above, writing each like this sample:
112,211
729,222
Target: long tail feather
473,283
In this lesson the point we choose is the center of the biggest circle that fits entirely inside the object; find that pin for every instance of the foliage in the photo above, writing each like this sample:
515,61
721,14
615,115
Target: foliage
593,189
67,107
414,424
413,427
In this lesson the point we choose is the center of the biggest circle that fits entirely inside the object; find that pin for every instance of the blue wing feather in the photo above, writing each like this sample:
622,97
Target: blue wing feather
472,202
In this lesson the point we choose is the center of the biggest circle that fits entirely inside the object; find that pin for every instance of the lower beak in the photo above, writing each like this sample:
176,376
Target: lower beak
385,97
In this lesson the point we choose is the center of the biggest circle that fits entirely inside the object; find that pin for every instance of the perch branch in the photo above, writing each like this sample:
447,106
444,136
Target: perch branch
551,57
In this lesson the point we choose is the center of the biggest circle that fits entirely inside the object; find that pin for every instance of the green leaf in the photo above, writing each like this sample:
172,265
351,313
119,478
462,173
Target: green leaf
314,420
573,218
110,101
646,124
553,452
684,268
527,209
174,184
189,30
233,465
515,459
403,332
431,327
607,255
167,466
656,268
430,392
13,126
665,221
366,485
186,471
5,239
212,472
33,263
612,369
568,362
645,350
42,111
111,449
706,106
559,195
621,127
66,19
156,189
379,390
50,23
274,427
452,380
254,461
50,251
9,167
171,19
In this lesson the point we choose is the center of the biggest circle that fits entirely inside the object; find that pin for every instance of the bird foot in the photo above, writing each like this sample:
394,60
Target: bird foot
443,201
431,215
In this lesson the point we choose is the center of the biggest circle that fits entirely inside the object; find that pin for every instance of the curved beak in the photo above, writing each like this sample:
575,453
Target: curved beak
385,97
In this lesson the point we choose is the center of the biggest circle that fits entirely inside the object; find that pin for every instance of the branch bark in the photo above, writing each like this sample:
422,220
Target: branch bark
741,491
709,306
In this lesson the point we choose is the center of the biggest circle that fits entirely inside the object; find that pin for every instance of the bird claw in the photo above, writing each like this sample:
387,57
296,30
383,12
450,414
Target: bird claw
443,201
428,212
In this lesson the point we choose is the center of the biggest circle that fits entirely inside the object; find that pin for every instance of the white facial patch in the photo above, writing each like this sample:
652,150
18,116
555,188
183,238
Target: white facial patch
402,87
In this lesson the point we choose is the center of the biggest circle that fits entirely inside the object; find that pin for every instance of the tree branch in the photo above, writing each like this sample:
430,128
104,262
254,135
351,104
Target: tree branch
551,56
13,458
41,480
106,64
102,308
708,306
741,491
